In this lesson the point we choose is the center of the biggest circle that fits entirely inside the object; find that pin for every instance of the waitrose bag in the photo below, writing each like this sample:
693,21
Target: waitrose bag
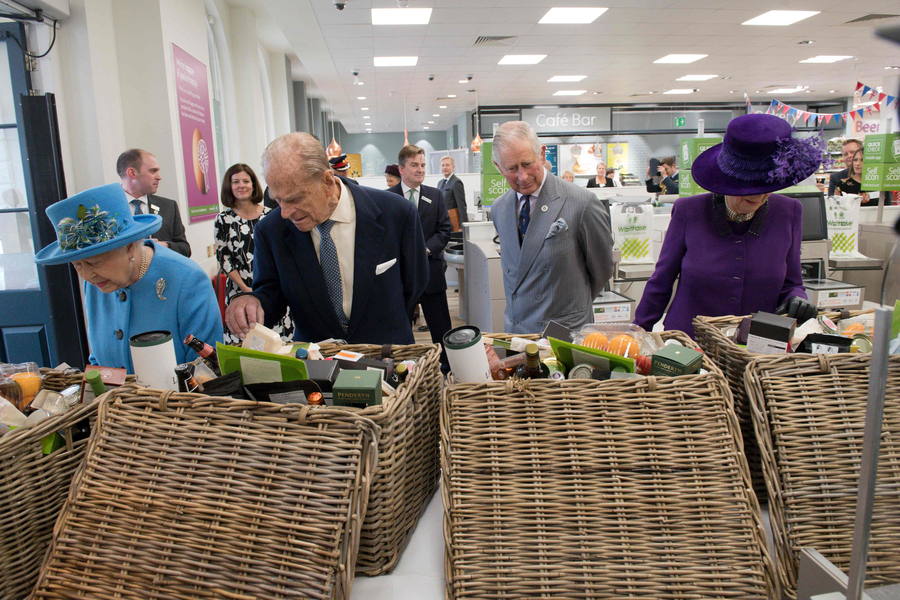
633,231
843,225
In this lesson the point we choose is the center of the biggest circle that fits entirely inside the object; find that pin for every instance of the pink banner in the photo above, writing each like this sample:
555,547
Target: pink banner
197,145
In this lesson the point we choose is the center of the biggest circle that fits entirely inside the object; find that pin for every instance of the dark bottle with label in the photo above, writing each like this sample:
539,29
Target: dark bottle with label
401,371
185,377
206,352
532,368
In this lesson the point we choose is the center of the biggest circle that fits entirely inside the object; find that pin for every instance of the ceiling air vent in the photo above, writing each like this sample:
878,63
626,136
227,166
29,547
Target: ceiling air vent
871,17
495,40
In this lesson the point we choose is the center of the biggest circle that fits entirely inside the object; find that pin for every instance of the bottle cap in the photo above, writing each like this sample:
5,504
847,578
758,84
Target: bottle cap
531,348
302,353
400,369
93,376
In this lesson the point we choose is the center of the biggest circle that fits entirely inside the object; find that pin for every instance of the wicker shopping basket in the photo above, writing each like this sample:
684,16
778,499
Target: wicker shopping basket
57,381
733,359
604,490
408,456
809,414
33,488
187,496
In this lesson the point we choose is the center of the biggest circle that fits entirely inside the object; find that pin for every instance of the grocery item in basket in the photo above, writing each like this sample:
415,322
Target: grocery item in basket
465,351
672,361
532,368
263,339
624,345
770,334
153,356
823,343
596,340
359,389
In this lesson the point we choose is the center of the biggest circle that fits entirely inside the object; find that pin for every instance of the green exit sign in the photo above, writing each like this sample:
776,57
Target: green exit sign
679,121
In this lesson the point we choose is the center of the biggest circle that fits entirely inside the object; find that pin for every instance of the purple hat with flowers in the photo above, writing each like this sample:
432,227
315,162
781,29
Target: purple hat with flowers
757,156
93,222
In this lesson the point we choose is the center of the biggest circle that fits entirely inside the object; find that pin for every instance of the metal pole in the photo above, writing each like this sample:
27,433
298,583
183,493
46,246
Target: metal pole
868,468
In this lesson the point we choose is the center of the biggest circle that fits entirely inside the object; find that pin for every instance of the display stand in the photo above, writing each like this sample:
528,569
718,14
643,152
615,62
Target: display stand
819,579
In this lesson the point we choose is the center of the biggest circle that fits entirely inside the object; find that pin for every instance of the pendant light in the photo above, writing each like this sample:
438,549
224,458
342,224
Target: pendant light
405,131
334,149
477,142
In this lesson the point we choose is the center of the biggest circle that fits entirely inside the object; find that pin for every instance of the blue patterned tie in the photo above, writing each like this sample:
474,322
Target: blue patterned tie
137,207
524,218
331,271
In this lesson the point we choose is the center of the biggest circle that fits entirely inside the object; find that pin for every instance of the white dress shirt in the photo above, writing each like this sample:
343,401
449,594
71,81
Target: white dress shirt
534,198
406,189
343,232
145,206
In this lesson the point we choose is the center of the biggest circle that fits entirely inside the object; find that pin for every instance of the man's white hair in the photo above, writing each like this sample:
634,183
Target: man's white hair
514,131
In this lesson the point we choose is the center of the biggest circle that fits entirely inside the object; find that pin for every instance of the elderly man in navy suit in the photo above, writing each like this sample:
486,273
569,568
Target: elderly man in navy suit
349,260
429,203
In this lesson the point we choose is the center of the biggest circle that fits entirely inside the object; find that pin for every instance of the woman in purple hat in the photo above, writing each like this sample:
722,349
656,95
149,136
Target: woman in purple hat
736,251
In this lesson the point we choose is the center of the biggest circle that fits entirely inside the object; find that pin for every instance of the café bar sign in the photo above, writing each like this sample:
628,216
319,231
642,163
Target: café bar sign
568,120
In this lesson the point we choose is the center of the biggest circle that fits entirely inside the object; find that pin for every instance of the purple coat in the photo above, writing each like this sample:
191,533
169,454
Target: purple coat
721,272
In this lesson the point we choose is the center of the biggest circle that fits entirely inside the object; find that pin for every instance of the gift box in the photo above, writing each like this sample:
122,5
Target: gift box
357,388
674,360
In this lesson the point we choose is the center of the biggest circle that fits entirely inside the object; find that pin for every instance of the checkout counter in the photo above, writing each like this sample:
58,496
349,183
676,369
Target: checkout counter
831,283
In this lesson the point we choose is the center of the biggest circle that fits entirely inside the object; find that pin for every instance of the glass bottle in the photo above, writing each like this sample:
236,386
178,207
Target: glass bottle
533,368
206,352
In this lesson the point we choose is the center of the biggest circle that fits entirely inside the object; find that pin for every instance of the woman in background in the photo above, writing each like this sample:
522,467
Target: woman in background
853,183
601,180
392,175
242,197
569,176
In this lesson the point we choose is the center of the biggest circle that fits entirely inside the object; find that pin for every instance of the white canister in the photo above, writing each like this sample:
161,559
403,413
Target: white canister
465,351
153,356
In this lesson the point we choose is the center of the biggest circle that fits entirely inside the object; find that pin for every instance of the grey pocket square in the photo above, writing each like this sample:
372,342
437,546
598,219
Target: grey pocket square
558,226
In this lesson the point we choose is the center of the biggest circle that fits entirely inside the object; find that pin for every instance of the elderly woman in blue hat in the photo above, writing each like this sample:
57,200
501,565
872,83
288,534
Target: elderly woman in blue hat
131,284
736,251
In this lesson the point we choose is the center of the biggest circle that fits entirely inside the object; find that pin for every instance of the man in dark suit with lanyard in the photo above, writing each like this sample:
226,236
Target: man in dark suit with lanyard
140,176
429,203
349,260
454,194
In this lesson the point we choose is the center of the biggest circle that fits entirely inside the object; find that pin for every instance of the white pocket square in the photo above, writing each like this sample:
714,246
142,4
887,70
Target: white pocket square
385,266
558,226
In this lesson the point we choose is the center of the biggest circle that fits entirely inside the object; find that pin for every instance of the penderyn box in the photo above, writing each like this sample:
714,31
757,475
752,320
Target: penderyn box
357,388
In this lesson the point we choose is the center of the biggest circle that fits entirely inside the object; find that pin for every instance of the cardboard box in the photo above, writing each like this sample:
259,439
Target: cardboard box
674,360
880,177
358,389
691,148
882,148
770,334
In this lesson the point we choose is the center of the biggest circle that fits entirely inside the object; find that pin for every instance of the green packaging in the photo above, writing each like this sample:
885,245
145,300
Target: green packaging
691,148
357,388
674,360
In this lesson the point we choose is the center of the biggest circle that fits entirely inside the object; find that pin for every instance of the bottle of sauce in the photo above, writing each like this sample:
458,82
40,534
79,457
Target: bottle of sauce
206,352
402,372
532,368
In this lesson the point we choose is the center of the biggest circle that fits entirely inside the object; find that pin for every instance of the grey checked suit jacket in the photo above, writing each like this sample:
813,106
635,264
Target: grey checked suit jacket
565,258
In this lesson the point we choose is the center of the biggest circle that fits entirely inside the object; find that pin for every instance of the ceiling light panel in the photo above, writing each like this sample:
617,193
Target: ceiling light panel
396,61
781,17
572,15
680,58
360,97
696,78
401,16
566,78
520,59
825,59
679,91
570,92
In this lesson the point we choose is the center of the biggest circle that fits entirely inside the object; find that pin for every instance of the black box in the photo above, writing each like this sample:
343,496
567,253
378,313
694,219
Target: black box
770,334
386,366
323,372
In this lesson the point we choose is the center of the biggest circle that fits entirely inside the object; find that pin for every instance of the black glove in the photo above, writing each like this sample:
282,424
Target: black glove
798,308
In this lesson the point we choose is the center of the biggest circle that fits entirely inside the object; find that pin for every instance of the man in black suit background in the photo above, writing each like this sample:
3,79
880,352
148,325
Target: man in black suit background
139,171
436,228
454,194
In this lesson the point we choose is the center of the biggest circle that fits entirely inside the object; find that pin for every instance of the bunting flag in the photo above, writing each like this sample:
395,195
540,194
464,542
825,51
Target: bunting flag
866,90
828,119
776,107
858,85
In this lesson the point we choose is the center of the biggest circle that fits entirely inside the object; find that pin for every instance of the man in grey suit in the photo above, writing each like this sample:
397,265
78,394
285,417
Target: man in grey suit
555,238
454,194
139,171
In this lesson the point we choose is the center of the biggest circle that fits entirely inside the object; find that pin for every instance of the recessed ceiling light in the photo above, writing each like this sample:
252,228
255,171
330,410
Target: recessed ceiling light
570,92
442,106
436,115
401,16
464,81
572,16
359,83
364,108
781,17
680,58
651,93
825,59
566,78
522,59
892,67
787,90
431,122
396,61
360,97
597,93
726,78
425,128
369,130
730,91
451,95
831,91
807,42
696,77
679,91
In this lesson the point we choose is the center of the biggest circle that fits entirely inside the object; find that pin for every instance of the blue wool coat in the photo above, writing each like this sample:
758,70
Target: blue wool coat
189,308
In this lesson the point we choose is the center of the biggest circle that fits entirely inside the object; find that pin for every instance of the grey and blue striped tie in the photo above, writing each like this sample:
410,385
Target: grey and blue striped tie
331,271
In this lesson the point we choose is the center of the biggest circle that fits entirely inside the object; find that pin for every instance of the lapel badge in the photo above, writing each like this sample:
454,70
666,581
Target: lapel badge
544,208
160,288
154,208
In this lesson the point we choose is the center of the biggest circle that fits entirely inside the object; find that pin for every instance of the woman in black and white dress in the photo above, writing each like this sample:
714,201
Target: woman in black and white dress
242,196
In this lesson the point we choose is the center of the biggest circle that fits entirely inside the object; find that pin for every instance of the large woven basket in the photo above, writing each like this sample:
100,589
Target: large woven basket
33,488
60,380
733,360
602,490
809,415
186,496
408,456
